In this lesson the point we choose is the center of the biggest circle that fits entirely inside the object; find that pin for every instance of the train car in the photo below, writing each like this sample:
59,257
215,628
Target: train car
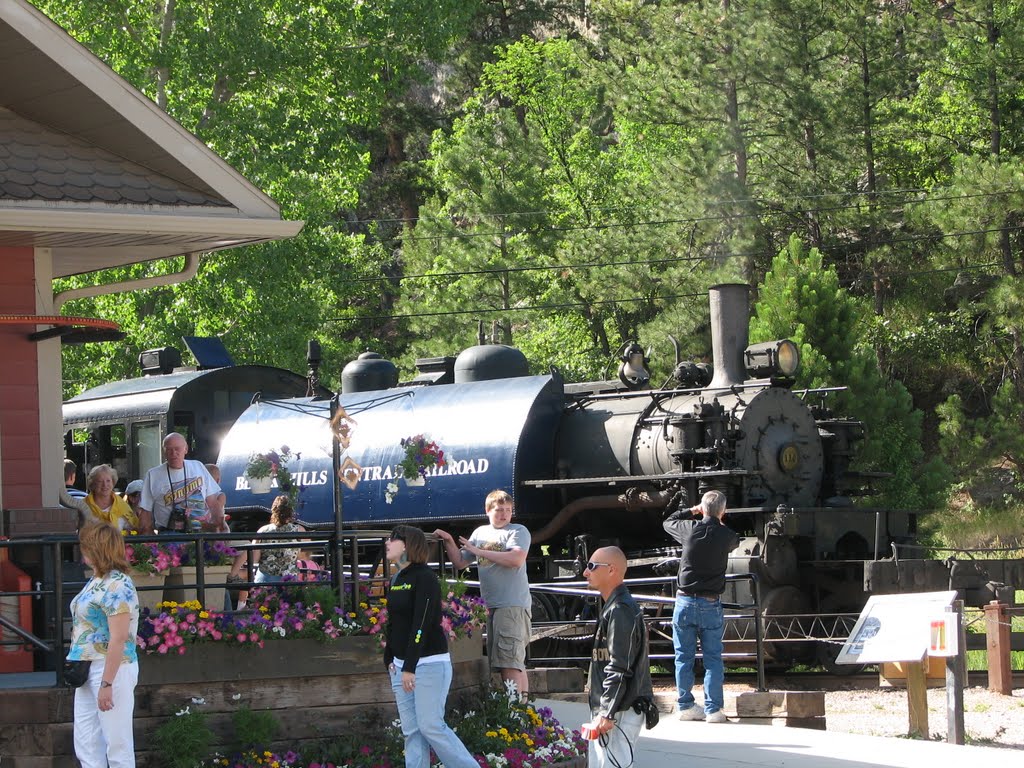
123,423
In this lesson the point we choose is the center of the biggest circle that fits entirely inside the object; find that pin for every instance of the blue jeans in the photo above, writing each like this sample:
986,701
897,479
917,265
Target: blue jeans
695,617
421,711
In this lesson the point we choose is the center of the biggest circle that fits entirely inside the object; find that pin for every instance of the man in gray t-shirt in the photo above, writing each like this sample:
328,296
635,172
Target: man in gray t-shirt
499,549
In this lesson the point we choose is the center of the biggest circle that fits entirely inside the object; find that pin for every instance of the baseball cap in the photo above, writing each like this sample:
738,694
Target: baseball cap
135,486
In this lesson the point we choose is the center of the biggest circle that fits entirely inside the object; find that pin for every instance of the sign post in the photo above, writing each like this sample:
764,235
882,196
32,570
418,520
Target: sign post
905,628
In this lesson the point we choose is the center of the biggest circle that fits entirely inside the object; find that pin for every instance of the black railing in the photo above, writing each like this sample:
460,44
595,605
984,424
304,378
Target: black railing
48,560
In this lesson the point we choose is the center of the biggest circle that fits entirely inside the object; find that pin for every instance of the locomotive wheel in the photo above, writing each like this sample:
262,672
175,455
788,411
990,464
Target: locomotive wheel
571,640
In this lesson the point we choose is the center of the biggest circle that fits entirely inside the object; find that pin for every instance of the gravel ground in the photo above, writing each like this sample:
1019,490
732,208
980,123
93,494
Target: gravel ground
990,719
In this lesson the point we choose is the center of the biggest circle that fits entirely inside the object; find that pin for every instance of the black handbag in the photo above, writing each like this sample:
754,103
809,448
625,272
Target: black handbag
76,673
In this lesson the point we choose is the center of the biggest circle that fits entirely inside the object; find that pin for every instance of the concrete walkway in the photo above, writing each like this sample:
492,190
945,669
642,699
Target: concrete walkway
675,744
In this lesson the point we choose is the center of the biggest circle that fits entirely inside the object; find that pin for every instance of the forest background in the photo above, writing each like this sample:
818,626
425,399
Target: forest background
568,176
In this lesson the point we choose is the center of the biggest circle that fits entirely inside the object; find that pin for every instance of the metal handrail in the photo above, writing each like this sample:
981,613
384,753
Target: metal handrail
579,589
52,580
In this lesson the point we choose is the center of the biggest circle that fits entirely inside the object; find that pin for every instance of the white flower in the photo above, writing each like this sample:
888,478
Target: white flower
279,631
200,701
236,696
182,712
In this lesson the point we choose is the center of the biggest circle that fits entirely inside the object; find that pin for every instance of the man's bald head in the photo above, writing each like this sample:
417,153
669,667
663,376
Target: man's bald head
609,570
175,450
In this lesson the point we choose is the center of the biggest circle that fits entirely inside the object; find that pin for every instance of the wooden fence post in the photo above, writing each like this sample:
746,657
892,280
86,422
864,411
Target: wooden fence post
917,699
997,633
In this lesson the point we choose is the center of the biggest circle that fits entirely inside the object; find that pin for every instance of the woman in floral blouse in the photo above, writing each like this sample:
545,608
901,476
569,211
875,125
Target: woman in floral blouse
274,563
105,618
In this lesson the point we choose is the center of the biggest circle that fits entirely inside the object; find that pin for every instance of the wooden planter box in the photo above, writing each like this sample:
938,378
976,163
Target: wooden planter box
279,658
180,585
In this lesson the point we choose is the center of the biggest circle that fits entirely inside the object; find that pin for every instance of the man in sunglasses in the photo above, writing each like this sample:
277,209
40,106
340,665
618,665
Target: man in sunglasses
620,671
499,549
706,544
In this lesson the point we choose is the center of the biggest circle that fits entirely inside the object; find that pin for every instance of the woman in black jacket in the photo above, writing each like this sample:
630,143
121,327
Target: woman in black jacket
416,655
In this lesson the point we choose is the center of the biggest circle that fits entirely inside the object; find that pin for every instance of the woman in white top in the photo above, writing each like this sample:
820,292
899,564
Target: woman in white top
102,505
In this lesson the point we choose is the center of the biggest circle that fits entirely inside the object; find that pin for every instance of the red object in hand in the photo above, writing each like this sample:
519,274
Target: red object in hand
589,731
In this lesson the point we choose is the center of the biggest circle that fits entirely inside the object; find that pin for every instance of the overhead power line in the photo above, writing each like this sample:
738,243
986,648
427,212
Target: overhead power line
731,202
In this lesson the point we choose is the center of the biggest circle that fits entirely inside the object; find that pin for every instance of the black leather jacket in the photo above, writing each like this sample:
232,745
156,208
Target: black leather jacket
620,672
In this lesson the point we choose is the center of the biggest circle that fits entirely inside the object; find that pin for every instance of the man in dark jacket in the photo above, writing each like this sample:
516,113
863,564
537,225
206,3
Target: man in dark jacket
620,672
706,544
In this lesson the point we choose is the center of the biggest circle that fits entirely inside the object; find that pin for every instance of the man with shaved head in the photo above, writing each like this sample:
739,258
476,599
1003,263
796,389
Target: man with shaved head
180,490
620,672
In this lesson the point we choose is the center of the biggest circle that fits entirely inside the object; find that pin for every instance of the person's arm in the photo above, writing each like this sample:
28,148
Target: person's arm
118,624
426,596
215,506
146,524
621,641
679,520
511,558
454,553
77,504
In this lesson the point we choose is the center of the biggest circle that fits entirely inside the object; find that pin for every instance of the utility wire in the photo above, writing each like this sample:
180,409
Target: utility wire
571,305
538,307
733,202
674,260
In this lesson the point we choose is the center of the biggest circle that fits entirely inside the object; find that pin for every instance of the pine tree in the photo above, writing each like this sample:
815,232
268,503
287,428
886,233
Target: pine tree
801,299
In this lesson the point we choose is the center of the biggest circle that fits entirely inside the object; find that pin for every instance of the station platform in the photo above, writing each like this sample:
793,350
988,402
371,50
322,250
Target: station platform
673,744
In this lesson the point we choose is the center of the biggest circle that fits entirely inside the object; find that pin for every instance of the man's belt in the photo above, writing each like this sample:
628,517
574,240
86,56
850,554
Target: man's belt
705,595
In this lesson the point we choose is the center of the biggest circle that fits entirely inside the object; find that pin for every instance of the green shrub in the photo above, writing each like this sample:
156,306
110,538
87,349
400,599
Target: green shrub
183,741
254,729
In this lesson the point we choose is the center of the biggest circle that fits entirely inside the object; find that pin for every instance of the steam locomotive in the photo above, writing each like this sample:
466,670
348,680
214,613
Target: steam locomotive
587,463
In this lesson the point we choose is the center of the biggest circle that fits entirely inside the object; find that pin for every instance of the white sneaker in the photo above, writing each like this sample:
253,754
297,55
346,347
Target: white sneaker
717,717
693,713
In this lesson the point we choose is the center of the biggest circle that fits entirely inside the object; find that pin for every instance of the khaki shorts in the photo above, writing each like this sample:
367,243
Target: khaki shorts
508,634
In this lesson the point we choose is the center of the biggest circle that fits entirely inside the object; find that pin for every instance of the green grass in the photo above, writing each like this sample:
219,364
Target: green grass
975,619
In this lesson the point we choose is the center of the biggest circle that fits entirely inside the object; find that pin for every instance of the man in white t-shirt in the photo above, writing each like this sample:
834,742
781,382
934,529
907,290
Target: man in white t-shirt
499,550
180,484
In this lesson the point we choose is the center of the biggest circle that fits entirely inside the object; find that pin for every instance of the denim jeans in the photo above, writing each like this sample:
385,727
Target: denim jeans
421,711
695,617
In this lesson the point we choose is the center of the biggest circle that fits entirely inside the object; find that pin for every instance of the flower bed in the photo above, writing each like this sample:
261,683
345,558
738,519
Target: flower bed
500,732
294,611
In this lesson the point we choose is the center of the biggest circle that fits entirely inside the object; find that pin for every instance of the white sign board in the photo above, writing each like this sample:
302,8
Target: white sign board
894,628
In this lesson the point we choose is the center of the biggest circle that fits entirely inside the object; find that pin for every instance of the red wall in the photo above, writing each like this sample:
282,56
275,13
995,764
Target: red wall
19,389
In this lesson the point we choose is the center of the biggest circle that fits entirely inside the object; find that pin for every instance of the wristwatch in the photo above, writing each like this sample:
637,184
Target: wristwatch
105,684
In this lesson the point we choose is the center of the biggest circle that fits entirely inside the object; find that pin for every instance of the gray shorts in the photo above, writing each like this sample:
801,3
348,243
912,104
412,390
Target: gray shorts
508,634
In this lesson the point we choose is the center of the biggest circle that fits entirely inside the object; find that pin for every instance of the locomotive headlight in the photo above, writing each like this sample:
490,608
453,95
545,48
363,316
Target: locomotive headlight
772,359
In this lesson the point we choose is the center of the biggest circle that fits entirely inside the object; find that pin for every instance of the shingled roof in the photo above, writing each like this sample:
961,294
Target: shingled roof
41,165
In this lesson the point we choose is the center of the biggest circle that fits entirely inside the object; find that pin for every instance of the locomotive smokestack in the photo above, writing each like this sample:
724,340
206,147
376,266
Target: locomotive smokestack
730,319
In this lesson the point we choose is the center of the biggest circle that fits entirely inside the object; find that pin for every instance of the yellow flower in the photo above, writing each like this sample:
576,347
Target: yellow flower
204,615
491,734
384,601
352,615
364,606
373,619
528,740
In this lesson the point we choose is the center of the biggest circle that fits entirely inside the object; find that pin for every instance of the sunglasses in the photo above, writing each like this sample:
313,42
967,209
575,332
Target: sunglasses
396,537
592,566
